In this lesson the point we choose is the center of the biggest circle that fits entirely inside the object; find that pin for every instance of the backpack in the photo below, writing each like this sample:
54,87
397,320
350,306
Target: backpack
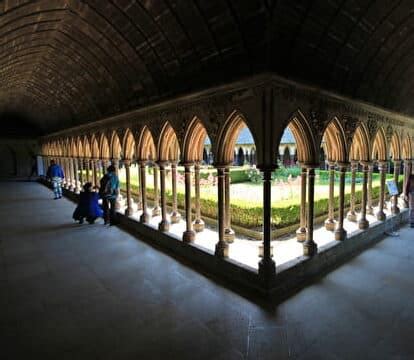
105,186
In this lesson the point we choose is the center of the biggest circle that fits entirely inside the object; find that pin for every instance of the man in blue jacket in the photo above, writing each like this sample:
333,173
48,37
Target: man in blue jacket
55,173
109,191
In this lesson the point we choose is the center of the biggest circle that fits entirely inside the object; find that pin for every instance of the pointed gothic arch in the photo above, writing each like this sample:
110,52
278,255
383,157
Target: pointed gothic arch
168,147
145,145
228,137
335,141
360,149
128,145
379,146
302,134
194,140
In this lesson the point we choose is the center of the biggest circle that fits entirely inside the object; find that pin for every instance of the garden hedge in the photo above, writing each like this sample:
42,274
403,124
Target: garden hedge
248,216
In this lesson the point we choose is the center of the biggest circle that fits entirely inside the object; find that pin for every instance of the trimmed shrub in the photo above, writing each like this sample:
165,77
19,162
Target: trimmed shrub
250,215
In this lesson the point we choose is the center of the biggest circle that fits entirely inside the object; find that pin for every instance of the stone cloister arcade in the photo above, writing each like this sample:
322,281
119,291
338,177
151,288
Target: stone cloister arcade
170,134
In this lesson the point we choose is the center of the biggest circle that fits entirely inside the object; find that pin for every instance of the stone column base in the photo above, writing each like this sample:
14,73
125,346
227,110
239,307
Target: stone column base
340,234
144,218
175,217
229,235
301,234
352,216
330,224
156,211
363,224
310,248
222,249
129,211
198,225
164,226
381,215
188,236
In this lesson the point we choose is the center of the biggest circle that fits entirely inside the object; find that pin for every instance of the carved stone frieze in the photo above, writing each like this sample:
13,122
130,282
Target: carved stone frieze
350,125
388,133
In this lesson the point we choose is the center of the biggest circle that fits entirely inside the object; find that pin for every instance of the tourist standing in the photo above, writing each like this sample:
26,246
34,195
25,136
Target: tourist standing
109,191
55,173
409,191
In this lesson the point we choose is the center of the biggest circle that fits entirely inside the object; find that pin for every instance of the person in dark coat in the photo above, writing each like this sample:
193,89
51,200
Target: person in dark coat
109,191
88,207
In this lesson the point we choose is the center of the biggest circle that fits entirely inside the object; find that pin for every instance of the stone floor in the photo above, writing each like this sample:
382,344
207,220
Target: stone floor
73,291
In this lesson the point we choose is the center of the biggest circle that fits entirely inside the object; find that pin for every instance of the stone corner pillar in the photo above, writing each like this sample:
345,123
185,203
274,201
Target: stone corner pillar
310,248
229,234
267,267
301,232
222,247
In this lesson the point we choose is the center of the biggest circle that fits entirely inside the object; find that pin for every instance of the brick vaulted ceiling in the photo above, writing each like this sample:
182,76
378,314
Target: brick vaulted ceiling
67,62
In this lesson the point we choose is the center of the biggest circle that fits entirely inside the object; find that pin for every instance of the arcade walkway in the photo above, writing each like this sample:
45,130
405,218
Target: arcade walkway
92,292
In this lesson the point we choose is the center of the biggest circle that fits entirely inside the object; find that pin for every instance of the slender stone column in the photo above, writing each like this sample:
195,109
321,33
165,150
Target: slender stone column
340,232
352,216
267,267
81,176
72,175
222,247
229,234
145,216
139,205
363,223
301,232
394,207
330,221
95,171
63,164
175,215
198,224
383,167
189,234
156,211
407,172
370,209
164,225
76,174
129,210
309,246
87,175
